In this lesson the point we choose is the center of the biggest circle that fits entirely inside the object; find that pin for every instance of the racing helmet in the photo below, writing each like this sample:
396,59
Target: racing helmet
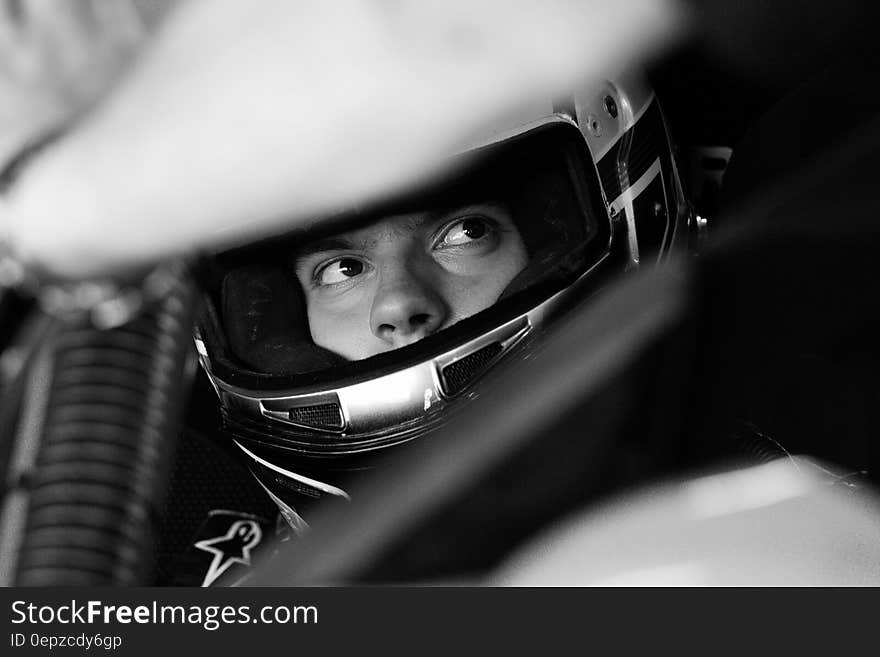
592,184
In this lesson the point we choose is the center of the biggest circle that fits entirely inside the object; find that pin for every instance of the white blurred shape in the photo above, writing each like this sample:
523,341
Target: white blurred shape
58,57
673,574
745,490
772,525
248,117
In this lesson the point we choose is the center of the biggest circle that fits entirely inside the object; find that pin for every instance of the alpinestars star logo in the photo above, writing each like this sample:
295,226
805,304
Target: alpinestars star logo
233,547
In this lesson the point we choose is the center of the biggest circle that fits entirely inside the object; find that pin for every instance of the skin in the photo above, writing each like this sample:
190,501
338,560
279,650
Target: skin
405,277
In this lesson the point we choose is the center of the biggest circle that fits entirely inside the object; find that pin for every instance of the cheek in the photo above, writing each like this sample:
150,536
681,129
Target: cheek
514,260
343,329
470,293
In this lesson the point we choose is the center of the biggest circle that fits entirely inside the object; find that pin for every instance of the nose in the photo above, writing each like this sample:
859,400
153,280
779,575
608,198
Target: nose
407,307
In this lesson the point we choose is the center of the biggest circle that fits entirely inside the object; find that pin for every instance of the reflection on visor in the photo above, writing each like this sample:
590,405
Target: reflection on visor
395,275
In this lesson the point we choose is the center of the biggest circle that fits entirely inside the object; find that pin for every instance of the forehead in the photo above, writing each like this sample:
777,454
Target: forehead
364,237
390,227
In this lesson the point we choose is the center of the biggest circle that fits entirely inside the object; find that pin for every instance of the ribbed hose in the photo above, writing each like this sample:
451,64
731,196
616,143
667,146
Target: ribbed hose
110,431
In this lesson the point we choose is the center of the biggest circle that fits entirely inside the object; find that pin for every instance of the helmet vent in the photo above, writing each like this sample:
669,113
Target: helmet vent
319,416
456,376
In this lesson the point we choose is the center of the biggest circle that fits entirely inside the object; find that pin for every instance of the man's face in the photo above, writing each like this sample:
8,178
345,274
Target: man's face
407,276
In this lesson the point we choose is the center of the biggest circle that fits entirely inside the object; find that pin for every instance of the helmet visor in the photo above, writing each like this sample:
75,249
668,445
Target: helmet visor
376,288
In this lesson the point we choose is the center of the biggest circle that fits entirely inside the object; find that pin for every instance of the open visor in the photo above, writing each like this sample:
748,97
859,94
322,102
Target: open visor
254,335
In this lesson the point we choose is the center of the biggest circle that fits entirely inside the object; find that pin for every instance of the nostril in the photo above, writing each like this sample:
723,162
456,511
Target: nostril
385,329
417,321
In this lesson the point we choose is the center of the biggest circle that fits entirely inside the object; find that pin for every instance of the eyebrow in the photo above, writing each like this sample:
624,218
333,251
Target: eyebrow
345,243
321,246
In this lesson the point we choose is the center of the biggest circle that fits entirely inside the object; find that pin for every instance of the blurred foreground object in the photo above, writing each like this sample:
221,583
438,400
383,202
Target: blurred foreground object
246,117
784,523
59,57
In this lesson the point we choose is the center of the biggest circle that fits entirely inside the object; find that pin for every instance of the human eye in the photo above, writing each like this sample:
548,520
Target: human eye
339,270
466,232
